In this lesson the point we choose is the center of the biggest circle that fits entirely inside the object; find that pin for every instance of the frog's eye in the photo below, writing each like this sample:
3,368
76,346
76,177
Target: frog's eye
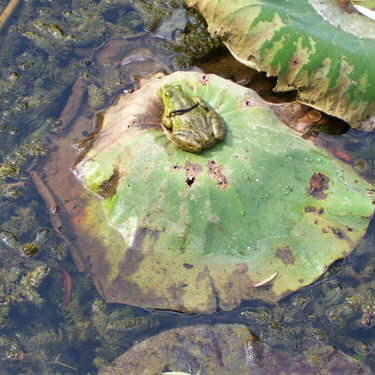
168,94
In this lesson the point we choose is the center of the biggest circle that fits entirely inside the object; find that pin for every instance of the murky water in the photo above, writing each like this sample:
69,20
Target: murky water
65,60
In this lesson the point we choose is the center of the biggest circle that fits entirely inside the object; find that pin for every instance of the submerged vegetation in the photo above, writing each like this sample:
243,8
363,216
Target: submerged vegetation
339,310
48,313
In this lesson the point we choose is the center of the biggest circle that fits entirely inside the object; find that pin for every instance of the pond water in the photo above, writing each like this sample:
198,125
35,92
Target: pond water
65,60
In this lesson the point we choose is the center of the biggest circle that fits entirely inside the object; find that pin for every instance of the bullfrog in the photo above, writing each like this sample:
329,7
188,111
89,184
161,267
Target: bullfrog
188,122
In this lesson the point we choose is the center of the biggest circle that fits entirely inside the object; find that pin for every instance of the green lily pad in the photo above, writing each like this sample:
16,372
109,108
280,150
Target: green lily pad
197,232
316,47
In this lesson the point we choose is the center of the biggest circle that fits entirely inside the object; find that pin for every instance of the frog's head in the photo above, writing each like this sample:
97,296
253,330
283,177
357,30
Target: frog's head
169,93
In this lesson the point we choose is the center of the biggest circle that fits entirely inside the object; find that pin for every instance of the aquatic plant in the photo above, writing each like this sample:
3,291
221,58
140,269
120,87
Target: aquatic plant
191,44
96,96
204,187
312,47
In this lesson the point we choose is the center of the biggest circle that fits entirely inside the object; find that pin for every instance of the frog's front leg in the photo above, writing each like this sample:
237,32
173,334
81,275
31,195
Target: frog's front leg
217,125
167,121
185,142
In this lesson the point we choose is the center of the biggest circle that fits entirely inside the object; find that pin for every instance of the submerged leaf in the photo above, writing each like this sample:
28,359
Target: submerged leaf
228,349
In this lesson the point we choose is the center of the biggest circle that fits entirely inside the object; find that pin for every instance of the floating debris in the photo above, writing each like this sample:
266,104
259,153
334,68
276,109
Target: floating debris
265,281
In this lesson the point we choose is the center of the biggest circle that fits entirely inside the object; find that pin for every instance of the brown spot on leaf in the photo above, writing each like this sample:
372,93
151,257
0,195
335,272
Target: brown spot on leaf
285,254
188,266
310,209
176,167
204,80
295,62
192,170
215,171
318,183
241,268
107,188
338,232
248,103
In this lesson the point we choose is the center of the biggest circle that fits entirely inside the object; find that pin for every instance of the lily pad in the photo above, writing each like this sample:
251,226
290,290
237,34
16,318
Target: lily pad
316,47
198,232
227,349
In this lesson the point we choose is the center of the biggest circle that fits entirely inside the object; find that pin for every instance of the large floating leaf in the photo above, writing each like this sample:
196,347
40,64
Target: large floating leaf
227,349
200,231
313,46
